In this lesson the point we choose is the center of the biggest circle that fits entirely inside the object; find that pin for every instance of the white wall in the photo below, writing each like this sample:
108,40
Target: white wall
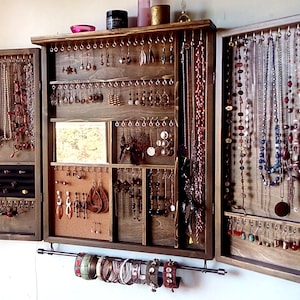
24,274
20,19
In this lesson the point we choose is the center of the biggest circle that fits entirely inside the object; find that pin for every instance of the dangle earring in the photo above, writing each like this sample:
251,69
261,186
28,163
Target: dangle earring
128,58
171,49
130,101
69,210
84,205
143,56
163,57
122,58
59,209
150,52
77,205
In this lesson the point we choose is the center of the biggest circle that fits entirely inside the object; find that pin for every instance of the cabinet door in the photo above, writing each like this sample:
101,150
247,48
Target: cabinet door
257,224
20,158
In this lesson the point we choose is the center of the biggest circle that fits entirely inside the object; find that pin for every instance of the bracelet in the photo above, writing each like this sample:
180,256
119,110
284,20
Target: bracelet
92,267
77,265
152,277
136,276
114,275
169,275
125,275
88,266
99,267
106,268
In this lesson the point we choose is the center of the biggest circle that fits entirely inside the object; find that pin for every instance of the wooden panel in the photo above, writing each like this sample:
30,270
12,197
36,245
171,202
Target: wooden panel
77,181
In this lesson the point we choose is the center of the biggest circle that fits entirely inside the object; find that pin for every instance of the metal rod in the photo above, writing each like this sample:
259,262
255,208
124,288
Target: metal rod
183,267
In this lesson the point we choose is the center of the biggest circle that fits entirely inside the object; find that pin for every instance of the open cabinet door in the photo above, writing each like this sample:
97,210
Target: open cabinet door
20,150
257,148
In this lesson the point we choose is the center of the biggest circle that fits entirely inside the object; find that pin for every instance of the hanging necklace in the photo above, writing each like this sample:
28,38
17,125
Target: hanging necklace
7,123
228,112
241,72
30,97
198,165
270,95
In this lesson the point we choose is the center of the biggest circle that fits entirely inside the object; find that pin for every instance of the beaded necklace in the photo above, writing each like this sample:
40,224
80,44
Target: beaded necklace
30,97
228,112
242,70
7,122
270,102
199,147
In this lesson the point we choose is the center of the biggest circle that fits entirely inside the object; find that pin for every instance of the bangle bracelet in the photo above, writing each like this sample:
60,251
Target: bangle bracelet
88,266
136,271
106,268
169,275
125,274
92,267
77,265
114,275
99,266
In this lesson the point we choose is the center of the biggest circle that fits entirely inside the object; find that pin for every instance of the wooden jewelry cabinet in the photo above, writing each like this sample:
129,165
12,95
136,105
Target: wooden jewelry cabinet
128,118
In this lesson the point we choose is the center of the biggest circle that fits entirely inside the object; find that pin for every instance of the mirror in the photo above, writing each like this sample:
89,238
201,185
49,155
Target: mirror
81,142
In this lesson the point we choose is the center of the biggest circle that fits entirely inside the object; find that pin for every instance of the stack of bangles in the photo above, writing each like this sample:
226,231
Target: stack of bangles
126,271
108,269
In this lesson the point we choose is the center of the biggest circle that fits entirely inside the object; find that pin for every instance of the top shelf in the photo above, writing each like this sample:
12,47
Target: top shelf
122,32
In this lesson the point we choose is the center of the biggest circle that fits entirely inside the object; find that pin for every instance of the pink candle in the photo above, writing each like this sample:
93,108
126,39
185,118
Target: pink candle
144,18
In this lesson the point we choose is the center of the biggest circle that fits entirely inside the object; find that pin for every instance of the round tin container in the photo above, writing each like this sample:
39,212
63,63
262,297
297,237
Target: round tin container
160,14
116,19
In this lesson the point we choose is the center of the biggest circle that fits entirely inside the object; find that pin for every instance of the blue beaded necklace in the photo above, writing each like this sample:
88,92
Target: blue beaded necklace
265,167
